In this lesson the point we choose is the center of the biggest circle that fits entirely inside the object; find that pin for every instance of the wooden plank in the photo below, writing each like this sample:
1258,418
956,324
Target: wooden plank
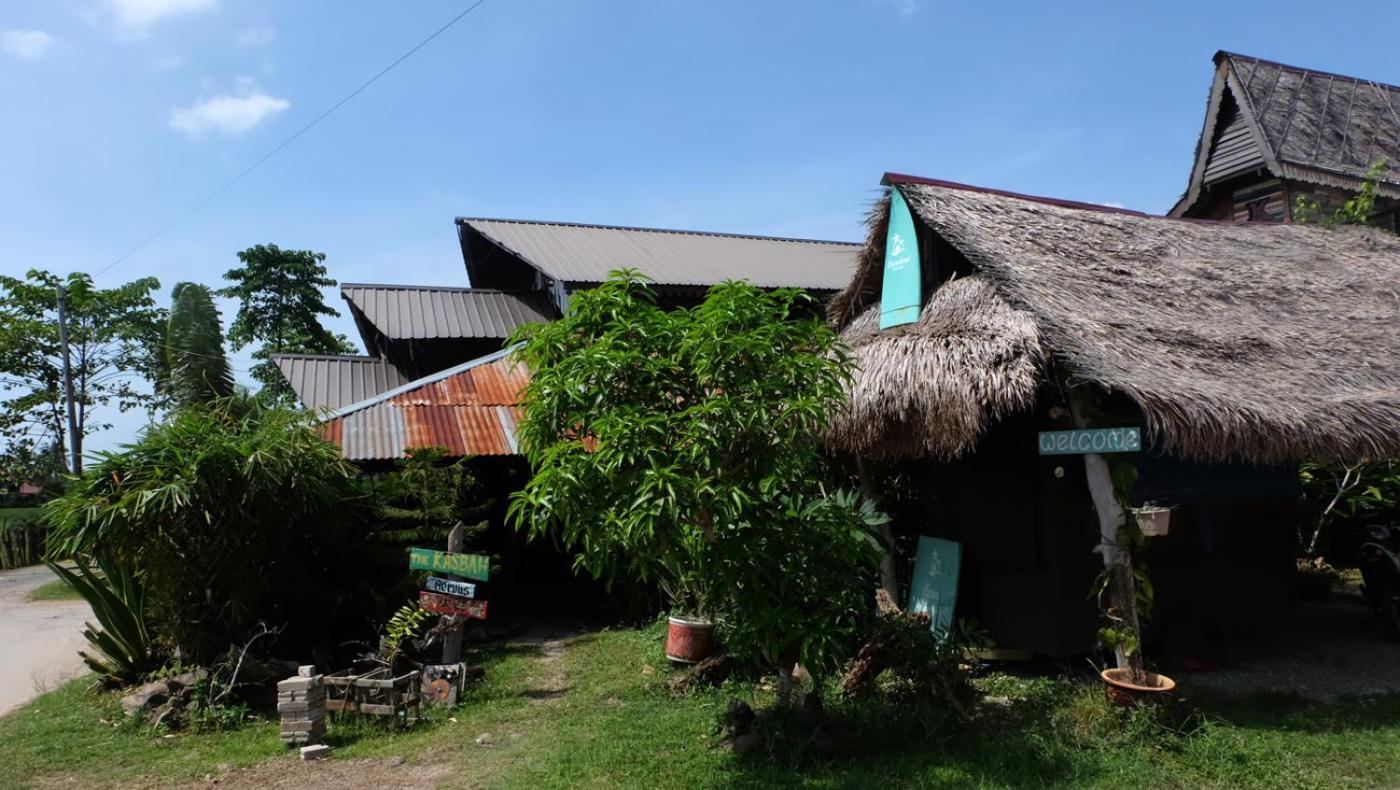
451,587
1092,440
447,604
471,566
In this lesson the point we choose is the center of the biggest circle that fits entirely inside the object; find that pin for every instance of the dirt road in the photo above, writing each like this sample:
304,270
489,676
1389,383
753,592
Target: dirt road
39,640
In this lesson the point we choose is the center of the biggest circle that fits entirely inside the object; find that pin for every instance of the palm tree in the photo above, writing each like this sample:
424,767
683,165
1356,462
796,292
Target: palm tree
196,369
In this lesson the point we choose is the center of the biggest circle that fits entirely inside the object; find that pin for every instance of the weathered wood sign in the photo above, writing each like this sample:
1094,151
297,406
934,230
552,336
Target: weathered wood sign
1094,440
934,587
438,603
471,566
452,587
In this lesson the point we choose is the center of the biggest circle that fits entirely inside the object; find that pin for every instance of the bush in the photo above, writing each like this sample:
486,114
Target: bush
237,515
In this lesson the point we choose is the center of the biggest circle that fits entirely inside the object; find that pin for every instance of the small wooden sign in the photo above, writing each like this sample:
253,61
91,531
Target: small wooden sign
471,566
451,587
438,603
1095,440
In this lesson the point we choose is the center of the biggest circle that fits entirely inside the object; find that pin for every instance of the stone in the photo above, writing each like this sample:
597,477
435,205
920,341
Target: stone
152,695
317,752
648,669
745,743
298,684
306,670
395,762
484,739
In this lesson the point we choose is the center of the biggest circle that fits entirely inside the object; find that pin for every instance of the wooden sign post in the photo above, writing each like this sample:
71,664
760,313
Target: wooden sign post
453,606
470,566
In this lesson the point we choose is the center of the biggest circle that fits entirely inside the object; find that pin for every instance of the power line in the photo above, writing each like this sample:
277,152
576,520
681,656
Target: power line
303,130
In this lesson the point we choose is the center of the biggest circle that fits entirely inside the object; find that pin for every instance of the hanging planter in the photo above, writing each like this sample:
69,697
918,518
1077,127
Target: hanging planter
1152,521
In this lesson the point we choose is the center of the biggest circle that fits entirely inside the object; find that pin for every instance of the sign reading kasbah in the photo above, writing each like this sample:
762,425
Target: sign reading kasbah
471,566
1097,440
902,294
438,603
451,587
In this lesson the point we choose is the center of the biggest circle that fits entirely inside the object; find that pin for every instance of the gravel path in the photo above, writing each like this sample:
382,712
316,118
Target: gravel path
39,640
1332,649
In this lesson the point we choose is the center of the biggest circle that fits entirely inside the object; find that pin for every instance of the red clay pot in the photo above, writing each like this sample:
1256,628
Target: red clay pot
689,641
1126,694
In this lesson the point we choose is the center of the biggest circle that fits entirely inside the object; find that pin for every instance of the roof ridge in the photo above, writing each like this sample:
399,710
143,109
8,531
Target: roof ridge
349,357
419,383
461,288
1266,62
634,228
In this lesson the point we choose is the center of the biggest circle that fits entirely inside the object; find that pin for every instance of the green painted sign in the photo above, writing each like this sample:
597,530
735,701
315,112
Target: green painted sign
1091,440
934,588
901,295
472,566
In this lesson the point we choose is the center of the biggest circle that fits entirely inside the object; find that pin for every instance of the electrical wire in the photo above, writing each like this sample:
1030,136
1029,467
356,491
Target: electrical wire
303,130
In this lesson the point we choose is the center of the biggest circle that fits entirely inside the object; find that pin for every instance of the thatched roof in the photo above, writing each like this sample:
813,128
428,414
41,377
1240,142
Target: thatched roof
1258,342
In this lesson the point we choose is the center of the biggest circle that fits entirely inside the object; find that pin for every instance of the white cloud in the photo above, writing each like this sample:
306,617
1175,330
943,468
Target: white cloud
26,44
140,14
167,62
228,114
256,37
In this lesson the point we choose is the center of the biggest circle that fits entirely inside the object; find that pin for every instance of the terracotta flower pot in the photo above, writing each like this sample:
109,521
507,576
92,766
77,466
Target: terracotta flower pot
689,640
1153,521
1126,694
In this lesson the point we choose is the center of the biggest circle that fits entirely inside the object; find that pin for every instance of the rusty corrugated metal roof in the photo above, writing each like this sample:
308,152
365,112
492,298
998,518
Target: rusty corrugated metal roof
470,409
336,381
417,312
587,253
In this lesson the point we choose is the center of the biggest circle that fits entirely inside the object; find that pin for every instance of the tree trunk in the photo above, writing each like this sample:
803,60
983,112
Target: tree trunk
785,684
1122,598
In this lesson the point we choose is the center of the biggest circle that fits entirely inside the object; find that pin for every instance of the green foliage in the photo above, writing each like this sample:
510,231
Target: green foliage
195,368
683,447
280,307
114,344
1356,210
426,494
21,537
237,514
123,647
406,624
1334,494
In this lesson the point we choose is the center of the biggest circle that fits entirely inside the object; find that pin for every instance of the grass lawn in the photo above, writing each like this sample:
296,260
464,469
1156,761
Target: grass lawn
588,715
56,590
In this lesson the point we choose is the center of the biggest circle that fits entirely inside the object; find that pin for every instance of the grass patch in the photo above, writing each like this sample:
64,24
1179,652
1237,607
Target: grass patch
592,716
56,590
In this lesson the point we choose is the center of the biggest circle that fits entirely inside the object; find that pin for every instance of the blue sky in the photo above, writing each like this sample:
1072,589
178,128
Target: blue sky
758,117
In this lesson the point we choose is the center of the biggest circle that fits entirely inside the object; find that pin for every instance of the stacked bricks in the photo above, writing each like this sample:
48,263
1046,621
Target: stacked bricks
301,703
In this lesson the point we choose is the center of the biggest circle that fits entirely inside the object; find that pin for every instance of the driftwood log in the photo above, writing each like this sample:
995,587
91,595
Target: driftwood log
711,672
874,656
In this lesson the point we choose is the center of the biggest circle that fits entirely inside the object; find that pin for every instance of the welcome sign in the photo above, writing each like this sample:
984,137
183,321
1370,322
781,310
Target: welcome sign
1097,440
901,295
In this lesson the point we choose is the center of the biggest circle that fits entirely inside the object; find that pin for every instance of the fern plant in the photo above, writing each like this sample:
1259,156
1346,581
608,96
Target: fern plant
406,623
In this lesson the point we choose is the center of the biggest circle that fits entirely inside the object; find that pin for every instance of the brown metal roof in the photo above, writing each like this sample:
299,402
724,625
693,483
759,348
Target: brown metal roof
587,253
469,409
332,382
422,312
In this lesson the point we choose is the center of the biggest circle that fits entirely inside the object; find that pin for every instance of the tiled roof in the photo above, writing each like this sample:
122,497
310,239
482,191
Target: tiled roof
470,409
330,382
587,253
423,312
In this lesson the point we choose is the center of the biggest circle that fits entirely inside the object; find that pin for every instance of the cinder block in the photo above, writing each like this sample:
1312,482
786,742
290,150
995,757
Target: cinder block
299,683
317,752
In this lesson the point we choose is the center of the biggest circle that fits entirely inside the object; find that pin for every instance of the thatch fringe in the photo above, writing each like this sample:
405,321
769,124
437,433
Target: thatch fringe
931,388
1263,343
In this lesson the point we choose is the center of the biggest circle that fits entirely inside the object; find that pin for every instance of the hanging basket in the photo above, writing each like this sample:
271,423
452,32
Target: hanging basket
1153,521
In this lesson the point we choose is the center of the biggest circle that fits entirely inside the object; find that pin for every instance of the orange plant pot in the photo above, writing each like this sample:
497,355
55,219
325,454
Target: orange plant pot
1125,694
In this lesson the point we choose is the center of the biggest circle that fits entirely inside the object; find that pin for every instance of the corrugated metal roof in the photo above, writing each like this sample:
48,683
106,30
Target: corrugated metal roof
587,253
469,409
332,382
422,312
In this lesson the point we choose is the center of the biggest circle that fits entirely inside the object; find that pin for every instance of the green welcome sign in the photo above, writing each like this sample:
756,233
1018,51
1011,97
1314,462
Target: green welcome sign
902,293
934,586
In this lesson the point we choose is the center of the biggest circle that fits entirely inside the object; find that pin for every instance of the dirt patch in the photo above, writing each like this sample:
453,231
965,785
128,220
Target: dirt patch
292,773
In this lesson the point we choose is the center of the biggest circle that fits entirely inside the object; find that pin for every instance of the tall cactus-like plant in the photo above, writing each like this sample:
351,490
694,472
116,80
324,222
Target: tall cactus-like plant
196,369
123,648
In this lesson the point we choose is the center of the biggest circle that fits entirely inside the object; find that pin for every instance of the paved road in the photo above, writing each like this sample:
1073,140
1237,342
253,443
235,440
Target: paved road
39,640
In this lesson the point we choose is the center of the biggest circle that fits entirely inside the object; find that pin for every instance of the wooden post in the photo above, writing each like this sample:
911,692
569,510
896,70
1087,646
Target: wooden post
1117,561
452,639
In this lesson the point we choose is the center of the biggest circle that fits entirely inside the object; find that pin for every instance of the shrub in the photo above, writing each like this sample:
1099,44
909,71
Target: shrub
237,515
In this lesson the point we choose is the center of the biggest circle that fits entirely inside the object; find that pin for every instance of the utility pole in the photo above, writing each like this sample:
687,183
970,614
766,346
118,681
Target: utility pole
74,439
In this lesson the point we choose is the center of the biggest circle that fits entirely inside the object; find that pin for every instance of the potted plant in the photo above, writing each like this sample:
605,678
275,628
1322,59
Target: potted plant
1152,520
690,634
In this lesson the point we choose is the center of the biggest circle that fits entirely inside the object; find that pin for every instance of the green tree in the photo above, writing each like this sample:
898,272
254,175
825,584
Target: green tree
685,447
280,306
426,494
195,368
114,338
